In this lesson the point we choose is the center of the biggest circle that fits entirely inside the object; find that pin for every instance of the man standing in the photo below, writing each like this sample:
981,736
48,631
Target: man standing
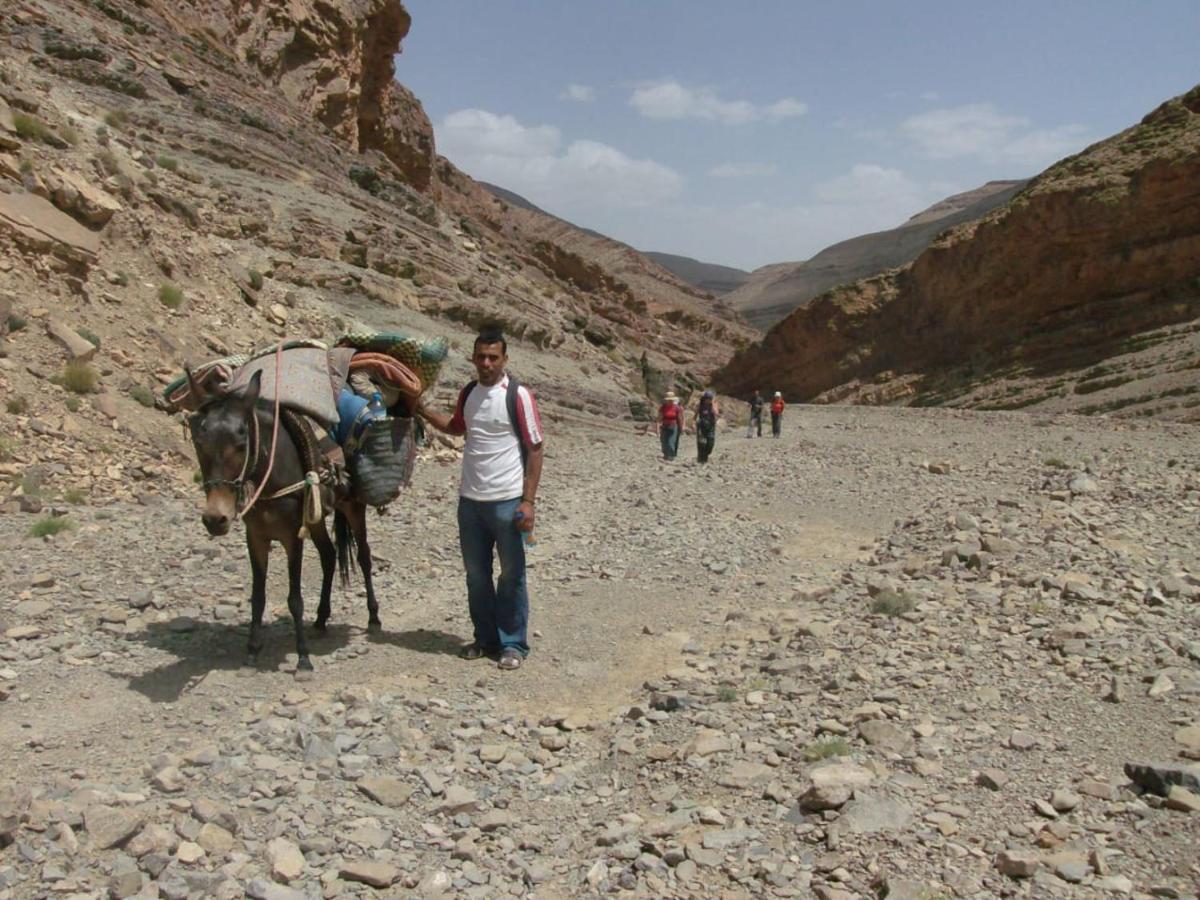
502,465
756,408
777,405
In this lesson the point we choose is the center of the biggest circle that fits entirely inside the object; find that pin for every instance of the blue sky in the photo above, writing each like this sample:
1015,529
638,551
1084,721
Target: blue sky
746,134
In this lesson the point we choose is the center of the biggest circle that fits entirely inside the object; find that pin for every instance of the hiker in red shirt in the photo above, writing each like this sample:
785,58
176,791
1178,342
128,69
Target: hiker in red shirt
777,405
669,424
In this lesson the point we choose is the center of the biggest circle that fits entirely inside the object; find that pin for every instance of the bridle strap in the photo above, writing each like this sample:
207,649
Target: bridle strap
274,435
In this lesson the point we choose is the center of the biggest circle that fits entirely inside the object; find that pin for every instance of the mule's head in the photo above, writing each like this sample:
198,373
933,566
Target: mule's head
222,435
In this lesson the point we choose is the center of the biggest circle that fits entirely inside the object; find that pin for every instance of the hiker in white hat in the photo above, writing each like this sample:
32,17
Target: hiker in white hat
777,406
669,424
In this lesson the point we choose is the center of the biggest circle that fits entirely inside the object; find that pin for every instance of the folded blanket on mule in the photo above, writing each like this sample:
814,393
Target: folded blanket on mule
394,377
310,378
423,357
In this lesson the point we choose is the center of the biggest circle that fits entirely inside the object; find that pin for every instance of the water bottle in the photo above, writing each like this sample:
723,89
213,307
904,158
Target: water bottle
376,403
527,537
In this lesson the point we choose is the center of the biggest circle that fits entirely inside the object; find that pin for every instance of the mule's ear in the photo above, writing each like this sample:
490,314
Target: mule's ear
250,394
195,392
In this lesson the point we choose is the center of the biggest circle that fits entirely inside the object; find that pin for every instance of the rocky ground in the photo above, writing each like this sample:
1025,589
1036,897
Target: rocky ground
907,652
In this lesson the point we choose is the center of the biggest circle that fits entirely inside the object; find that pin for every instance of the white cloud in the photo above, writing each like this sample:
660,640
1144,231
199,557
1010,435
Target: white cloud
743,170
672,100
867,183
488,133
980,130
786,108
580,93
531,161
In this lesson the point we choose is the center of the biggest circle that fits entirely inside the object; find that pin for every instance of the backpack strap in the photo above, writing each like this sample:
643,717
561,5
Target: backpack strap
510,402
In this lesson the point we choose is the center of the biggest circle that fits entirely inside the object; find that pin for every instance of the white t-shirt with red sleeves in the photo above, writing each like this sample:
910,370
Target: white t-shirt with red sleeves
492,468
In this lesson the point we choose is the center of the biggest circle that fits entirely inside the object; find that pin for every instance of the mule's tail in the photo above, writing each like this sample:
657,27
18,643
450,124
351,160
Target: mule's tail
347,557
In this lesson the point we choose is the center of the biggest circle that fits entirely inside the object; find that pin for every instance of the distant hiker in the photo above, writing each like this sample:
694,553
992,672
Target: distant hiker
670,424
707,414
502,465
756,408
777,405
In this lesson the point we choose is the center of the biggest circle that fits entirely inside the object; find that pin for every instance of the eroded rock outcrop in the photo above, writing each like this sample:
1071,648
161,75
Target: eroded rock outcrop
335,60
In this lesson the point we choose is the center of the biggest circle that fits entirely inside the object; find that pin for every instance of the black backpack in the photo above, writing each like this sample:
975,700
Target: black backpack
510,403
705,413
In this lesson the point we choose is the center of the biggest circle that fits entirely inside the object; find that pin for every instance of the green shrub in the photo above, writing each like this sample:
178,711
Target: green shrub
256,279
17,405
826,748
79,377
16,323
30,127
170,163
892,603
69,134
26,166
88,335
75,496
170,296
366,178
108,162
726,694
142,395
408,270
6,449
1055,463
122,278
48,525
72,404
116,118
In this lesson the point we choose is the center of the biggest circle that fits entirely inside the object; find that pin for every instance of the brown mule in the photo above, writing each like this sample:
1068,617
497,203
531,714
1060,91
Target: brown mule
237,443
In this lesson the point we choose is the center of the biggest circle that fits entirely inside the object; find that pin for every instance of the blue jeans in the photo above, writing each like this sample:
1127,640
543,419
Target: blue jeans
499,610
669,436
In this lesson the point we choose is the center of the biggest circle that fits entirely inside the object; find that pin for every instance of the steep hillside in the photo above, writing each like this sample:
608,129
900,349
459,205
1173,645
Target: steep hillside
773,291
1081,293
707,276
579,254
181,180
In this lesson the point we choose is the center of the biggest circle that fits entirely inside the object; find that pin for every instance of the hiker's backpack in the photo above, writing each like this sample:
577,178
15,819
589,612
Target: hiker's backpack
510,403
669,413
705,413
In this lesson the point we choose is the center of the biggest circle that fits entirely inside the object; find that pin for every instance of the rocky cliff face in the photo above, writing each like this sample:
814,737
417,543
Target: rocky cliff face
773,291
182,180
1100,248
330,60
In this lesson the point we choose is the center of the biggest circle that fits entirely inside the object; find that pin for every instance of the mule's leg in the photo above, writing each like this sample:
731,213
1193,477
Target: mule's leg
295,557
356,513
328,556
259,548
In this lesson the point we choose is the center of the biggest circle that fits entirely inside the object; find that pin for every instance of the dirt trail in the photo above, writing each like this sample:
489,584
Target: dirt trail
940,592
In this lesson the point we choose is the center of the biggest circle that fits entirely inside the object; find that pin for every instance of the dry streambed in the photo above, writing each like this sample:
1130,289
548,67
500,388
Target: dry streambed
912,650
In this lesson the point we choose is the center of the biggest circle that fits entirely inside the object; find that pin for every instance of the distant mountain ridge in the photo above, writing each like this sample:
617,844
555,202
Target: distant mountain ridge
1080,293
710,277
773,291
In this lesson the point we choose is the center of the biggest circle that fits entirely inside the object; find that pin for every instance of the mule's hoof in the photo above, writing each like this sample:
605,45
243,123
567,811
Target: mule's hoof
304,665
251,661
374,627
320,625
